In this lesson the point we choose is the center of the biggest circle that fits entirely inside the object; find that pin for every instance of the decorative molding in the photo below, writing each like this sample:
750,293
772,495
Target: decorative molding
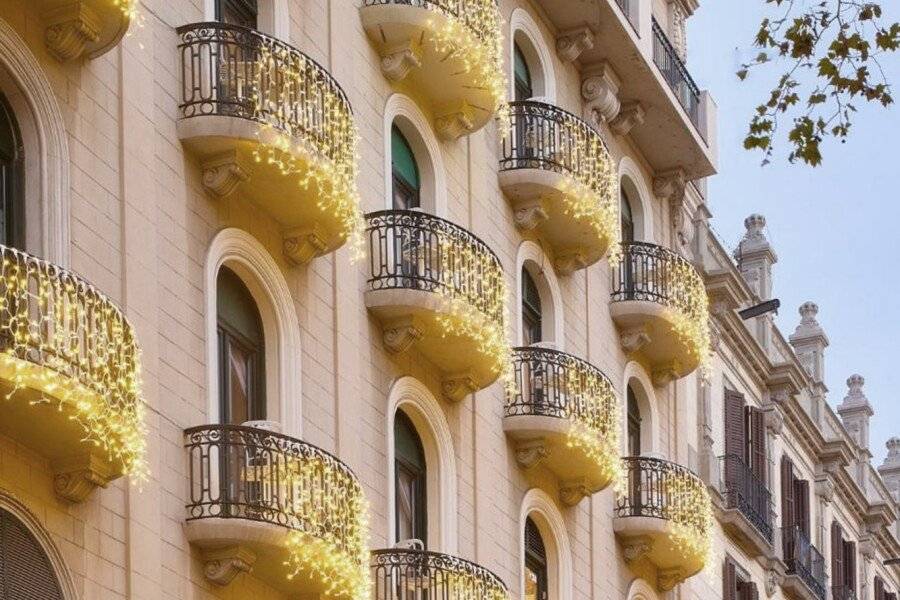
630,115
397,63
599,88
302,245
458,386
77,476
569,261
222,565
774,578
529,214
670,185
400,334
455,122
570,44
634,339
70,28
774,419
571,492
539,506
531,453
634,549
666,579
222,173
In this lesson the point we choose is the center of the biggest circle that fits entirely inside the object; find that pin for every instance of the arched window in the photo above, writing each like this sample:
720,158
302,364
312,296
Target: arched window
11,217
531,310
634,423
536,579
237,12
522,74
242,369
627,217
405,172
411,507
25,569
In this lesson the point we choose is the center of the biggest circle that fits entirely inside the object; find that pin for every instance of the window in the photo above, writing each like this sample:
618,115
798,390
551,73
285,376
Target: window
531,310
11,173
745,442
536,580
406,182
410,505
25,570
241,351
627,217
523,89
634,424
737,583
237,12
843,565
794,512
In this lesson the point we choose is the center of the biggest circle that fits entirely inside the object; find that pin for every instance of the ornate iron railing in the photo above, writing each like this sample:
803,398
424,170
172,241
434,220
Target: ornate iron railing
480,17
239,472
747,493
62,336
238,72
804,560
664,490
675,73
414,250
551,383
843,592
400,574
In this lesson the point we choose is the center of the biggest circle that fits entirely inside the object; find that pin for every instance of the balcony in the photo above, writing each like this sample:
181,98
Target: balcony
561,182
843,592
805,578
436,287
271,126
664,519
87,28
70,375
661,309
269,504
563,414
645,90
747,510
449,51
400,574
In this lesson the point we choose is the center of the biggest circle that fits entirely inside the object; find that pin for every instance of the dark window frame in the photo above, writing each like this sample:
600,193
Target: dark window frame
524,87
532,309
12,181
410,193
420,482
244,13
536,557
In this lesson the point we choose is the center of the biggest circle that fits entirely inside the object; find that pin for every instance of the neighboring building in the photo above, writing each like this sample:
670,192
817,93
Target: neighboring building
349,318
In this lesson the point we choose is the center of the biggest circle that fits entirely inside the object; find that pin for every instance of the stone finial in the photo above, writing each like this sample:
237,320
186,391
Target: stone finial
855,397
755,257
809,341
855,411
890,468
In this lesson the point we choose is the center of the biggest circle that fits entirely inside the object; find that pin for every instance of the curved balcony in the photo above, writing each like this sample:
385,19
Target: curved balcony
805,577
563,414
664,518
661,309
270,124
399,574
561,181
449,51
269,504
70,370
86,28
435,286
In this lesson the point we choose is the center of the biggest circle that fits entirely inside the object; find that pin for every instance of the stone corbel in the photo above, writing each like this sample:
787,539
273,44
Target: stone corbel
303,244
670,186
630,115
570,44
400,60
400,334
774,579
455,121
531,453
69,29
774,419
868,548
222,173
222,565
571,492
528,214
569,261
634,549
599,88
458,386
77,476
634,339
663,375
667,579
824,487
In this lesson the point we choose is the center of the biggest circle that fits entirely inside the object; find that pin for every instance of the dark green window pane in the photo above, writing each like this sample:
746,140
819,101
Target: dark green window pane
403,161
522,75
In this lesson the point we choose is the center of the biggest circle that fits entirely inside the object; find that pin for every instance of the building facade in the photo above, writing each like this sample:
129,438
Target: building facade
400,300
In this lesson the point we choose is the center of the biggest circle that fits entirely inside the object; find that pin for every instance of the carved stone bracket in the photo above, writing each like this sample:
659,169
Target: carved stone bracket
224,564
222,173
824,487
529,214
773,419
302,245
530,454
571,492
455,122
399,61
77,476
630,115
634,339
663,375
868,548
774,579
636,548
69,29
569,261
599,88
666,579
670,186
570,44
399,335
456,387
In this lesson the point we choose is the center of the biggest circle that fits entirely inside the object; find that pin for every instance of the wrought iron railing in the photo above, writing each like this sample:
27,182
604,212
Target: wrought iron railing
675,73
843,592
480,17
234,71
543,136
804,560
745,491
665,490
61,335
551,383
413,250
239,472
401,574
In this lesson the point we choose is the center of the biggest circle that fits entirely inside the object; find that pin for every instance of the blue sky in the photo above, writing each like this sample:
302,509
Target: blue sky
834,228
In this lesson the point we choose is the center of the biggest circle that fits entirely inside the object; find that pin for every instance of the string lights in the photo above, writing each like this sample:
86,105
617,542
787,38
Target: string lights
689,310
64,338
689,509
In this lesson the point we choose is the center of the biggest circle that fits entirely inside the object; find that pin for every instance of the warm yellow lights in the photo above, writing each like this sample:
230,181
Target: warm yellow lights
65,339
689,509
689,306
594,412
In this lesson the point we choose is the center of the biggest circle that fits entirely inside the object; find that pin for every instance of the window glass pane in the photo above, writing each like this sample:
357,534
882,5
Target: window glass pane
522,75
403,161
11,209
410,480
627,218
531,310
239,384
634,424
531,585
406,490
237,12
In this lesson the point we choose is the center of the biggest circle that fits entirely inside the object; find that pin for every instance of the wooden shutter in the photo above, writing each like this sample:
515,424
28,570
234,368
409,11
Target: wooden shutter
879,588
757,448
787,493
25,570
849,551
752,591
730,580
837,555
801,505
735,438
